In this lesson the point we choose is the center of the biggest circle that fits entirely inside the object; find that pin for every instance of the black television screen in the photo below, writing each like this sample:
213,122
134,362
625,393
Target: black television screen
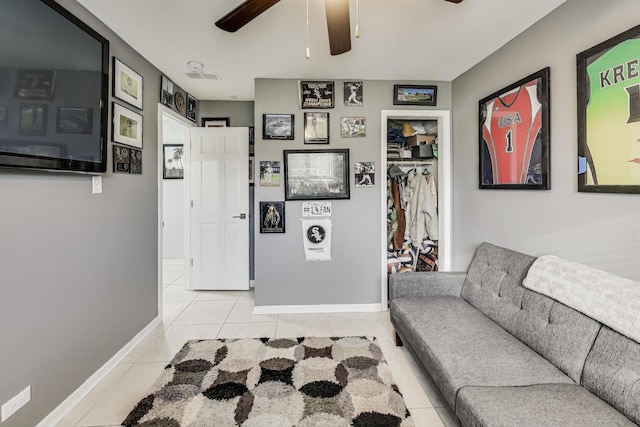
53,89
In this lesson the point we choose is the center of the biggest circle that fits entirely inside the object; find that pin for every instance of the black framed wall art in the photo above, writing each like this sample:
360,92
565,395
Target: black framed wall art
278,126
316,128
316,174
514,135
609,115
173,166
272,218
316,94
426,95
127,84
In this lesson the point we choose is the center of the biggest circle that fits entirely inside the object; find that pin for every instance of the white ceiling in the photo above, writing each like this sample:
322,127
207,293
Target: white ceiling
400,39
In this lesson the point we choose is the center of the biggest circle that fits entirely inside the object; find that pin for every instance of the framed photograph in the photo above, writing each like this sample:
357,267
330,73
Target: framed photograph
316,174
272,217
166,91
127,126
127,84
316,128
514,135
35,84
415,95
172,160
135,160
353,127
251,169
278,126
74,120
121,159
192,108
4,117
316,94
216,122
365,174
353,93
609,116
252,135
33,119
270,173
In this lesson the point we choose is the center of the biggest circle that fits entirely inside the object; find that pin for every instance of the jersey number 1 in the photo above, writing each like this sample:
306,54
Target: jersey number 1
509,138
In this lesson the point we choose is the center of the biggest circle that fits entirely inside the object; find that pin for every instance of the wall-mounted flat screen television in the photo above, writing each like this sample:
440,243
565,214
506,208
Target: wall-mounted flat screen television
53,89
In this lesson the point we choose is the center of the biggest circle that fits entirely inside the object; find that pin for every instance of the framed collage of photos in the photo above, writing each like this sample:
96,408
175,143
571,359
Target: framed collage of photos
609,115
514,135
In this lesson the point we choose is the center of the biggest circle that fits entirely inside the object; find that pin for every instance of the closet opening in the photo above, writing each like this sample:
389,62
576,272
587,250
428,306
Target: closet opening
416,200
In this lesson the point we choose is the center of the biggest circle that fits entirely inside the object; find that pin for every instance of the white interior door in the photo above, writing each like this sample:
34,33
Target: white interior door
217,204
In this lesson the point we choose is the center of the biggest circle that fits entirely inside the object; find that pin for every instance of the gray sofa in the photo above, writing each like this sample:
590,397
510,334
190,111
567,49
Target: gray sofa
503,355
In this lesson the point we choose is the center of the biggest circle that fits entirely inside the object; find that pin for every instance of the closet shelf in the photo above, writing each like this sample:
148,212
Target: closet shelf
410,162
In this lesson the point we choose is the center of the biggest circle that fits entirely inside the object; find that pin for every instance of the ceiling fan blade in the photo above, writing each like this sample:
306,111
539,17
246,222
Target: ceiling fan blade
338,26
243,14
454,1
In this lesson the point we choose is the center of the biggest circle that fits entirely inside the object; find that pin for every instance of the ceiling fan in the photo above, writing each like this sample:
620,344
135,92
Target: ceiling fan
338,23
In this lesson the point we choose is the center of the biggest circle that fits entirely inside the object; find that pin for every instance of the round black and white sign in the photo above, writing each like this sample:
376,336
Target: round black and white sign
316,234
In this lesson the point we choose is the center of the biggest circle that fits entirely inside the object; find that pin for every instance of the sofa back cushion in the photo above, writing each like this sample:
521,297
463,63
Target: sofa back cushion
560,334
612,372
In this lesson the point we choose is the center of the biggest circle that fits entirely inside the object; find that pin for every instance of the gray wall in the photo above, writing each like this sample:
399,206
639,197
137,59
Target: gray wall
601,230
240,113
282,275
79,271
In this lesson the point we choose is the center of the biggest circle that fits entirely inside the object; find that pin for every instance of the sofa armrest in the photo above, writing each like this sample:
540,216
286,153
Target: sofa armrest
427,283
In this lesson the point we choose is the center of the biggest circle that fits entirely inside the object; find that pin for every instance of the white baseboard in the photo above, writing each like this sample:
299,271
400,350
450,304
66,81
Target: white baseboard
322,308
61,411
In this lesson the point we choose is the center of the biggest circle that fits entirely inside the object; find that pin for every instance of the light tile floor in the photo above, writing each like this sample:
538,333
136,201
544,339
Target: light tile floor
229,314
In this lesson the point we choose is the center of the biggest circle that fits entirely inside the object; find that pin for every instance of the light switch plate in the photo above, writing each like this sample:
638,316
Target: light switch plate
96,181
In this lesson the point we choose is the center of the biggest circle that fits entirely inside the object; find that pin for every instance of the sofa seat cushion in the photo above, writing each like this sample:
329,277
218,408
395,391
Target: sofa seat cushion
549,405
462,347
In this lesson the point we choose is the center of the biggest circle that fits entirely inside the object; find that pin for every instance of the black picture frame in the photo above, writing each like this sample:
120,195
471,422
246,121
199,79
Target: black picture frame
353,94
215,122
135,161
192,108
514,135
121,159
272,217
278,126
609,138
33,119
316,174
316,128
166,91
426,95
317,94
74,120
127,84
172,166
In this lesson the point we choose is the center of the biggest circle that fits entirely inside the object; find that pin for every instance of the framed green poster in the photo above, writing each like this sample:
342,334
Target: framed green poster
609,115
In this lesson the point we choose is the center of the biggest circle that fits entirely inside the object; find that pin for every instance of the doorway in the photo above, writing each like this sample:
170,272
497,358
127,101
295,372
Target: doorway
173,130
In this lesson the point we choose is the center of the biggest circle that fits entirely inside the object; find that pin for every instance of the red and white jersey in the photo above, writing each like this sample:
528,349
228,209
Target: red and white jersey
512,124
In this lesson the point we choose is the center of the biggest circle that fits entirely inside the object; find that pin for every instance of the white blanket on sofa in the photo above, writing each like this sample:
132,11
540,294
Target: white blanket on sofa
609,299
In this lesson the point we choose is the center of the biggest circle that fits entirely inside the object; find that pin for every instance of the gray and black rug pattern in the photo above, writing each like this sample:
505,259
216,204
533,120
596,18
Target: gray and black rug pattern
302,382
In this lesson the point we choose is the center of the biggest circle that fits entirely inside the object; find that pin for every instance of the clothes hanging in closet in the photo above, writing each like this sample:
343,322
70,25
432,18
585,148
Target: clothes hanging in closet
422,214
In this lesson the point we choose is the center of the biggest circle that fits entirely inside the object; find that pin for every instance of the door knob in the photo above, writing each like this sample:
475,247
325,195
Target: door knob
241,216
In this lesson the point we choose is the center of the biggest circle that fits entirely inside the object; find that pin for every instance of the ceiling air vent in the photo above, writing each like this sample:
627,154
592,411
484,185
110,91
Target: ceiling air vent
204,76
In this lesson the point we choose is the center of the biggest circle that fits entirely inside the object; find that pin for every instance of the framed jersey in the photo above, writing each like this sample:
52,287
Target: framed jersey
609,115
514,135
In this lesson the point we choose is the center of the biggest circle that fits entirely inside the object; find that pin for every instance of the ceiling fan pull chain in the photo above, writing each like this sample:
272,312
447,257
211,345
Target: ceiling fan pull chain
308,52
357,19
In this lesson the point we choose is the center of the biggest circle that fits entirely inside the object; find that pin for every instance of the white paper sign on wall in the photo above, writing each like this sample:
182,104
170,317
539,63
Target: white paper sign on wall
316,236
316,209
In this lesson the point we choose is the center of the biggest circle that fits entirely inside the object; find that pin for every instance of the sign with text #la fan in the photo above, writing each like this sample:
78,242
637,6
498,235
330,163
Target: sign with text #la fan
316,236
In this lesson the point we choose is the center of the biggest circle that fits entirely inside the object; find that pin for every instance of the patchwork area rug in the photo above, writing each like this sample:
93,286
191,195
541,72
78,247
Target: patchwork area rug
273,382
